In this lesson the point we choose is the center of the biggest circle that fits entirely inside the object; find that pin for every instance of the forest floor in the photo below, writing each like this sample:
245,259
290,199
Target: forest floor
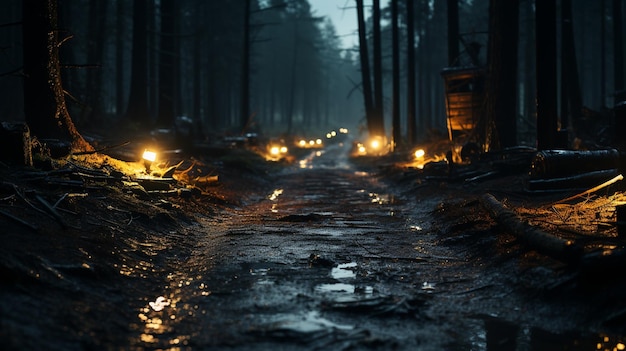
89,241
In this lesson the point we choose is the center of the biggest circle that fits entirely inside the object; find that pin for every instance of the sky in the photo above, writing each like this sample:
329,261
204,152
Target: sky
343,15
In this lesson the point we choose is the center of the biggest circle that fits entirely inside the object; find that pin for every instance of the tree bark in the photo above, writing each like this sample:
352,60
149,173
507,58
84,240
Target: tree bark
411,108
245,71
501,112
545,33
137,107
44,100
453,32
379,111
119,58
618,46
167,64
365,69
573,96
395,118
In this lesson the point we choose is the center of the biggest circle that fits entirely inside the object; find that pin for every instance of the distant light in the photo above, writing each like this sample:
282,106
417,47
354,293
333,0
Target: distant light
328,136
311,142
419,153
333,133
275,150
343,130
375,144
302,142
283,150
318,141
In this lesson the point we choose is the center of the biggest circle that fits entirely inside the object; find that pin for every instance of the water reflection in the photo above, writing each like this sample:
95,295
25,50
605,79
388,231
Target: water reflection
275,194
340,271
309,322
381,199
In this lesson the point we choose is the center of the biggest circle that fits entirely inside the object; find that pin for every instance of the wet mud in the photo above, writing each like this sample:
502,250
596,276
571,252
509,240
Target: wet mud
327,257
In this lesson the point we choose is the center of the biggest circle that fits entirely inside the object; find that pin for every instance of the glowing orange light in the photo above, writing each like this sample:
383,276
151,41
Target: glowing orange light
149,155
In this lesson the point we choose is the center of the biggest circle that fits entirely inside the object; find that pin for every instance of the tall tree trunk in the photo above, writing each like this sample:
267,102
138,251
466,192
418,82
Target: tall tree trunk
618,47
570,71
410,58
365,69
119,57
95,48
245,71
395,40
453,32
44,100
137,107
292,83
501,92
545,33
197,82
379,110
603,52
529,66
167,64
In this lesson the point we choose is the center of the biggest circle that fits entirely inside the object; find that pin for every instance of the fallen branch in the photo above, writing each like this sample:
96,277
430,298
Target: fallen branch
51,211
19,221
542,242
594,189
102,149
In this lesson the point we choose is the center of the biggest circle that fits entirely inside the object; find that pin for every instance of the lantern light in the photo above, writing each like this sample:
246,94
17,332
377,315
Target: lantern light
148,158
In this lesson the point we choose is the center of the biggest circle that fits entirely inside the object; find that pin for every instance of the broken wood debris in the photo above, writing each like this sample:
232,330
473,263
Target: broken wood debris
542,242
594,189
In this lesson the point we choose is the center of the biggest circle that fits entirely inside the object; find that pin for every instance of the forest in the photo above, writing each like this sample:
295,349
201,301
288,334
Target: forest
275,67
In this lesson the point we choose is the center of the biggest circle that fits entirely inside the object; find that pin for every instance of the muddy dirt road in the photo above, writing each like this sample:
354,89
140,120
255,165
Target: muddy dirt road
331,258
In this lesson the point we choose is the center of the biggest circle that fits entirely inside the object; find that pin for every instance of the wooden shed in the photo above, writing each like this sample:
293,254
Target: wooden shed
464,92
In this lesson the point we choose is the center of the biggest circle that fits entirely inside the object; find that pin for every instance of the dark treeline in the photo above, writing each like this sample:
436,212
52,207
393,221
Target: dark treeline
235,66
143,63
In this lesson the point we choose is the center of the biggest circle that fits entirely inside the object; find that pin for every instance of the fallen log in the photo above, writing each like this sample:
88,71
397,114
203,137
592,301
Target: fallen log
540,241
576,181
563,163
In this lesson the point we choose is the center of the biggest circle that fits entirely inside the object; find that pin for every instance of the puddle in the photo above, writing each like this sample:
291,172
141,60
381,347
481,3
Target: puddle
336,287
344,271
310,322
341,272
